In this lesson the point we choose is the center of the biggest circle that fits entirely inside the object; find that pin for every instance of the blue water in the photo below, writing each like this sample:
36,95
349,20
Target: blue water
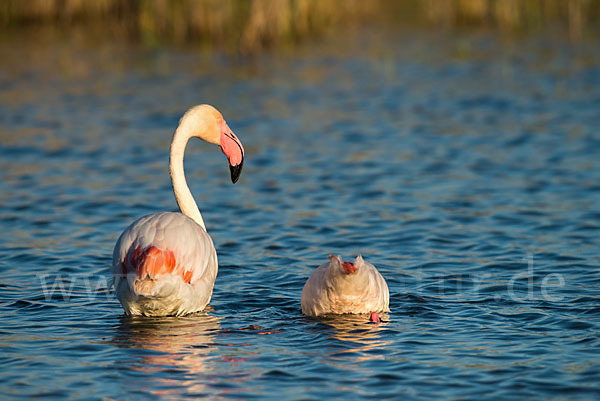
465,167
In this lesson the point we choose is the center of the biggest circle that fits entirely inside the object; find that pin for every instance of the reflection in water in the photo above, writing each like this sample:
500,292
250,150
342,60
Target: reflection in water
182,348
359,334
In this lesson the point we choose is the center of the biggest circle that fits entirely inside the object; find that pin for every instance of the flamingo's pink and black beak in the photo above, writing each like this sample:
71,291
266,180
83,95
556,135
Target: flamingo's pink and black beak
232,147
236,171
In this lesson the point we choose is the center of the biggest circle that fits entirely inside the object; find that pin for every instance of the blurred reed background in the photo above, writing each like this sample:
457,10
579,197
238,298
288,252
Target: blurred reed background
252,25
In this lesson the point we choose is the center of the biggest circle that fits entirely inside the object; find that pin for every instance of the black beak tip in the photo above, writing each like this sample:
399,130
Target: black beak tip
236,171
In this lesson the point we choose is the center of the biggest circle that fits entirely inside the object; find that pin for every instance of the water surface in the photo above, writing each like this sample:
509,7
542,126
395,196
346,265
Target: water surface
465,167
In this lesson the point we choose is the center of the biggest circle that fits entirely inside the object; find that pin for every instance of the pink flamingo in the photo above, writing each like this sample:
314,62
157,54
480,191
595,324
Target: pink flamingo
166,263
340,287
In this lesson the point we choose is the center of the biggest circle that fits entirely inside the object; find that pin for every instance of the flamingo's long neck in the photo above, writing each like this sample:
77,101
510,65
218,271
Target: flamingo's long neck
184,197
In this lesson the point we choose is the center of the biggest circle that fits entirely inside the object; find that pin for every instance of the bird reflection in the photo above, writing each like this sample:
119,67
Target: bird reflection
182,346
358,333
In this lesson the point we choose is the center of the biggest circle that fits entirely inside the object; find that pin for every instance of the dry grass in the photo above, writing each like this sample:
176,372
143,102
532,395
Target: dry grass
249,25
578,17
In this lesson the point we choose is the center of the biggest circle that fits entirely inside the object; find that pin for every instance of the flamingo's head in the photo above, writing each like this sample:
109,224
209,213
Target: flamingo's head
211,127
345,267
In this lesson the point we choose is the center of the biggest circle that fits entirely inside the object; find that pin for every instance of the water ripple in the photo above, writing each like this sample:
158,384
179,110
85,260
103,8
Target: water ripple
470,181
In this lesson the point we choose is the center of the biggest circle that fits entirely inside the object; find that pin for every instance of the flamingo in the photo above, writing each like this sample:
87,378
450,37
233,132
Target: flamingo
165,263
341,286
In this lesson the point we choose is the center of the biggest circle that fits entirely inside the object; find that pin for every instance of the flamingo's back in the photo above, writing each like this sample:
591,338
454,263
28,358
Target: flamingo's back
339,287
164,264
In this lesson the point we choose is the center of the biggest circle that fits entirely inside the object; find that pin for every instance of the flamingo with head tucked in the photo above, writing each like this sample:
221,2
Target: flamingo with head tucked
339,287
166,263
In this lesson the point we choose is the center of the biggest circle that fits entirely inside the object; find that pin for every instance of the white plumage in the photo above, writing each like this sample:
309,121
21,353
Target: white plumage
338,287
165,294
166,263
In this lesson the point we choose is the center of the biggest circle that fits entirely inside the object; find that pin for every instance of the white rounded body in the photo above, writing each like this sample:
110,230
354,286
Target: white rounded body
340,287
149,283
